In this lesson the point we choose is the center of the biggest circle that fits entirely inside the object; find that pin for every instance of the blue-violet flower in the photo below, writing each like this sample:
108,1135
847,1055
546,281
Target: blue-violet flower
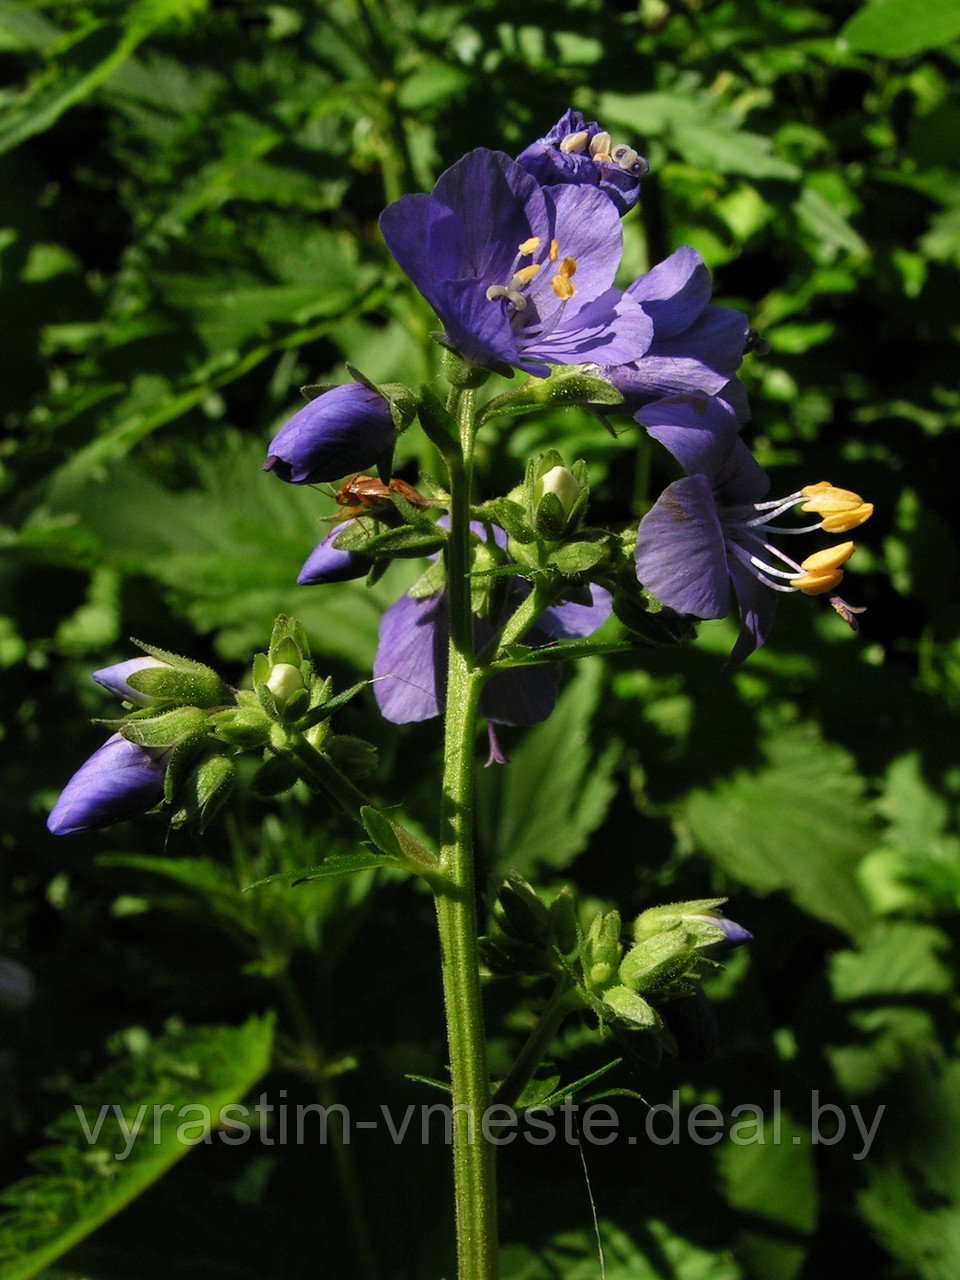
116,782
327,563
345,429
520,275
711,528
584,154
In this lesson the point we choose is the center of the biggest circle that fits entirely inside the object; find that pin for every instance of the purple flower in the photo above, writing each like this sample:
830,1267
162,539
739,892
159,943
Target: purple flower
326,563
410,669
520,275
734,935
115,679
116,782
711,529
584,154
696,347
345,429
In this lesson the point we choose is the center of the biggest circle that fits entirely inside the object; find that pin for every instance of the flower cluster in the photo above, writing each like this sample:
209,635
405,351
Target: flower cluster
518,258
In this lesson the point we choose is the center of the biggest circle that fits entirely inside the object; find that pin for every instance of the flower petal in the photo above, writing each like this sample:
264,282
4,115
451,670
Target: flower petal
681,557
116,782
674,292
326,563
410,668
608,330
570,621
758,605
702,434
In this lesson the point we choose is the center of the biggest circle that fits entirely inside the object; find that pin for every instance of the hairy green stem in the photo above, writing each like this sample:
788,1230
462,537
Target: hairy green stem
473,1164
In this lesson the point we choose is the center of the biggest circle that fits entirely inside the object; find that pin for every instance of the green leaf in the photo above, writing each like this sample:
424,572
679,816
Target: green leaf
169,1086
772,1184
800,823
556,791
900,28
391,839
898,959
340,864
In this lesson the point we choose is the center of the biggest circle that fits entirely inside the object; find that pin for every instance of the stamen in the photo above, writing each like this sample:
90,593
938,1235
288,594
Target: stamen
529,246
524,275
817,584
827,500
628,159
574,142
846,520
496,291
562,282
554,250
600,146
829,558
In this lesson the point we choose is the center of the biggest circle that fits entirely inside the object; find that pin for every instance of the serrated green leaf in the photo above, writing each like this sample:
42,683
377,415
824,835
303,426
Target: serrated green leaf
341,864
82,1184
800,822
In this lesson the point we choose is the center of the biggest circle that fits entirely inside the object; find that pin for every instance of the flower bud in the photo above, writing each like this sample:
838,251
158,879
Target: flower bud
327,563
205,790
555,496
343,430
153,681
115,679
116,782
283,682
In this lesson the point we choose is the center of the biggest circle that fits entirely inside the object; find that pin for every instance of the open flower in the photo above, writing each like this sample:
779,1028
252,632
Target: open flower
520,275
410,669
116,782
696,347
711,528
585,155
345,429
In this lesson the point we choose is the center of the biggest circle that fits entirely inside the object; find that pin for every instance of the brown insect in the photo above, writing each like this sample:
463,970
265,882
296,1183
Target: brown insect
362,494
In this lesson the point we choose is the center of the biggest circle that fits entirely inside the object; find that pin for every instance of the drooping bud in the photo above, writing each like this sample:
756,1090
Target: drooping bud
327,563
116,782
345,429
161,679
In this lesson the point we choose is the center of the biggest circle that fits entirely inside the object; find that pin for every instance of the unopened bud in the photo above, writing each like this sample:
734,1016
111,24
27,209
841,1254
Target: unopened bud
283,682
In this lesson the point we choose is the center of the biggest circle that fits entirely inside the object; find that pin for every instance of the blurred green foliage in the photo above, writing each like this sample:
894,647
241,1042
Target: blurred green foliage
188,204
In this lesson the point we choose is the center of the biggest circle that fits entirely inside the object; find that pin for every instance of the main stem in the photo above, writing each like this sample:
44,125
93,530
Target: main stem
473,1165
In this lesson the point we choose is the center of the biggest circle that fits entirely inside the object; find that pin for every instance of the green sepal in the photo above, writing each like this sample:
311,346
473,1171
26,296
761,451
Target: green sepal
175,660
204,791
288,642
600,950
563,919
658,961
632,1009
430,583
519,911
202,688
580,556
166,729
458,371
276,775
323,706
406,542
393,840
655,919
244,726
567,385
400,399
181,760
512,517
353,756
437,422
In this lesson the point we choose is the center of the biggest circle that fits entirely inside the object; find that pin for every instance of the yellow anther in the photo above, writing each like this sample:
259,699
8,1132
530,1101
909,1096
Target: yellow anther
529,246
575,141
827,500
524,275
554,250
815,584
829,558
846,520
562,282
601,145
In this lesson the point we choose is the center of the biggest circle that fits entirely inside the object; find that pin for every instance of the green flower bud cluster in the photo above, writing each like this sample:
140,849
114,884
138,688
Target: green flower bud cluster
624,981
202,725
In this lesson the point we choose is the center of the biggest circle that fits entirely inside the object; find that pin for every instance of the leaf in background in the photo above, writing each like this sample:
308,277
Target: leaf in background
83,1184
799,823
900,28
542,807
772,1183
87,58
897,959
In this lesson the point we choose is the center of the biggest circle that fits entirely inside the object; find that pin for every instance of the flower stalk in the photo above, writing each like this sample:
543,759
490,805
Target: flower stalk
473,1163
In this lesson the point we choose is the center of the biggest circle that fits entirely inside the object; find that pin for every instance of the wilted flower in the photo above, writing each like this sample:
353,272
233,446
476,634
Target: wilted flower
585,155
519,274
696,347
410,669
116,782
326,563
711,529
345,429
